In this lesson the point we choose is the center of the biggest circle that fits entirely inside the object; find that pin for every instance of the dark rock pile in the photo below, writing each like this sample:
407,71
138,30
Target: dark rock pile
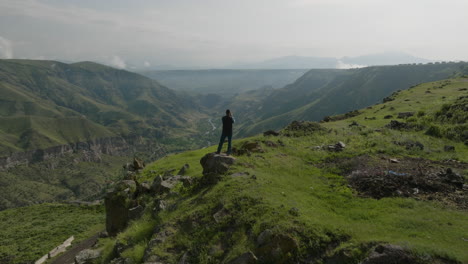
302,128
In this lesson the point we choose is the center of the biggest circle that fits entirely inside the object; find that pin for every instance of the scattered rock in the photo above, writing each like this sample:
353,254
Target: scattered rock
389,254
405,114
354,123
87,256
398,125
270,144
252,147
160,205
302,128
409,144
138,164
394,161
161,186
135,212
121,261
187,181
294,211
388,117
388,99
270,133
246,258
449,148
337,147
144,187
184,169
239,174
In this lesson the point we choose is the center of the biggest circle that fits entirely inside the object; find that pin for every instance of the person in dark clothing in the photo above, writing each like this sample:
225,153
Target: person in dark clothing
228,120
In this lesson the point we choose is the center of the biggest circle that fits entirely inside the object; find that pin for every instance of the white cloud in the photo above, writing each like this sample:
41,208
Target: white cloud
342,65
117,62
6,48
147,64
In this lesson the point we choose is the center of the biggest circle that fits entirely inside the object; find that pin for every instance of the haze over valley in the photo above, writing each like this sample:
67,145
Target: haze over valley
349,141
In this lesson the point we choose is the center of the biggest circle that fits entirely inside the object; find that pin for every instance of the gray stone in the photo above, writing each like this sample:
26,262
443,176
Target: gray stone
87,256
216,164
135,212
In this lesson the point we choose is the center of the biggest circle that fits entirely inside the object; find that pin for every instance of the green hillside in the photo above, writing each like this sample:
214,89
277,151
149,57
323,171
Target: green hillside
322,93
51,100
28,233
66,129
301,197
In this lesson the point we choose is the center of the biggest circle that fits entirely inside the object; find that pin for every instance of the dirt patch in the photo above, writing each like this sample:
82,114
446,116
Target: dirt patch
380,177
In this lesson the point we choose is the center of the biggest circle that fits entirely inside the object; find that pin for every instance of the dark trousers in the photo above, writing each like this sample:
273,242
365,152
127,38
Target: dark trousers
221,142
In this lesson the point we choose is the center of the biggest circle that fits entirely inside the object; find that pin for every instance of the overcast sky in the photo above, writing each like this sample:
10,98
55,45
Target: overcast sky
214,33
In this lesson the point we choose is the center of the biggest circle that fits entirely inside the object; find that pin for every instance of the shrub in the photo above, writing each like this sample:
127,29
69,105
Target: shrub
434,131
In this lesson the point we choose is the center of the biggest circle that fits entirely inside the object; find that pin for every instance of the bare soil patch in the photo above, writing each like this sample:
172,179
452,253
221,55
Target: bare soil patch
380,177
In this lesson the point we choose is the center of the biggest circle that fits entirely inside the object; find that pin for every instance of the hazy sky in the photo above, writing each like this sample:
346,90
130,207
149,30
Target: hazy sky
211,33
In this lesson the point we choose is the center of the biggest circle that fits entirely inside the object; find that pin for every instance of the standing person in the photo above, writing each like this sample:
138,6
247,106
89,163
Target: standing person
228,120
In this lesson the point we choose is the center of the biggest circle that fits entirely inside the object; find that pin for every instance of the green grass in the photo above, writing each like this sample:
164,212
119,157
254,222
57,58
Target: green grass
296,175
28,233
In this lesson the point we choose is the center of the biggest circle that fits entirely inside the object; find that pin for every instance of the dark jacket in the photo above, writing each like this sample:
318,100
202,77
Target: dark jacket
227,125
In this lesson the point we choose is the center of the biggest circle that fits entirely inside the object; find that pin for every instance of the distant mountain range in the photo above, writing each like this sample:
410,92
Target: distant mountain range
224,82
301,62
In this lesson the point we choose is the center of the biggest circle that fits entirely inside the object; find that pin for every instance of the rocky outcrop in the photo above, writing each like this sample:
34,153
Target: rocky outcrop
390,254
119,204
216,164
92,150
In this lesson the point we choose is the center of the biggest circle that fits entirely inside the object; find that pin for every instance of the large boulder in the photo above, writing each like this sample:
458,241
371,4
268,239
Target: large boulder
118,203
216,164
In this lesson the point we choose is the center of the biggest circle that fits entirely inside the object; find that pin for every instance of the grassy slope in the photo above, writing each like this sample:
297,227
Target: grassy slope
313,96
293,176
28,233
51,100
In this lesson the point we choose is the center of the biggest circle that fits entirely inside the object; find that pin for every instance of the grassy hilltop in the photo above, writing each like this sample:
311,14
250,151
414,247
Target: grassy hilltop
319,205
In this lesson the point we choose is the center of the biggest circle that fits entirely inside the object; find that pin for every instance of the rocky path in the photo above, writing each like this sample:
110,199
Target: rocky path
69,256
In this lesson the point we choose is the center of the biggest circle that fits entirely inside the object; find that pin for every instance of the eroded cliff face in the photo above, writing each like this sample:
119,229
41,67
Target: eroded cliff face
91,150
75,171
